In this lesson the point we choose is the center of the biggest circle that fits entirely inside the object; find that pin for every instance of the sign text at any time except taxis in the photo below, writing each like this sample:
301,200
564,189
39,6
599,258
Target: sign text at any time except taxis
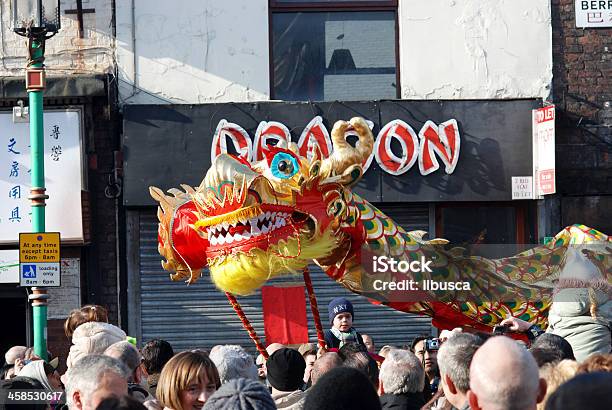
39,259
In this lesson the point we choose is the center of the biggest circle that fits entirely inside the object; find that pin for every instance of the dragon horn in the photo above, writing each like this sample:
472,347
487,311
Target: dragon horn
344,155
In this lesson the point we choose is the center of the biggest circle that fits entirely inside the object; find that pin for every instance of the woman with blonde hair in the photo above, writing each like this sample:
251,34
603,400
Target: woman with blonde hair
555,375
187,381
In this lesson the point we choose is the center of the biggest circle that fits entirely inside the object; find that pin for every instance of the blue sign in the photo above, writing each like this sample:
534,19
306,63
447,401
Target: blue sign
28,271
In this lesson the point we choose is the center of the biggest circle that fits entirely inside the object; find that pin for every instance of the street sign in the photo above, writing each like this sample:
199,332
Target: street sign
544,150
39,259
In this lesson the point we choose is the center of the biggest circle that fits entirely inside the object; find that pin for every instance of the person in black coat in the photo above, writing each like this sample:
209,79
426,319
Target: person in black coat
341,316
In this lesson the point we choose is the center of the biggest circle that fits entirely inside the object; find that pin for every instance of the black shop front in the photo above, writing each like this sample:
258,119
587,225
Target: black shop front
451,168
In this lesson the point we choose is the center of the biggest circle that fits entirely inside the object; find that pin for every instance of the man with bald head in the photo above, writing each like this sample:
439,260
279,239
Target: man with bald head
504,376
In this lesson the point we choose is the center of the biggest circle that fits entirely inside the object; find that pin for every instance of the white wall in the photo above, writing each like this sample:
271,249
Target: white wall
201,51
475,48
65,53
193,51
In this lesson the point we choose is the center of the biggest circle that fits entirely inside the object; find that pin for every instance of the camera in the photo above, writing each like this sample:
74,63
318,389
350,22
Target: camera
432,344
500,330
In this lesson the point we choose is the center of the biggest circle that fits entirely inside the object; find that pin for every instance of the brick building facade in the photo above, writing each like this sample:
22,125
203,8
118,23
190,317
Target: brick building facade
582,83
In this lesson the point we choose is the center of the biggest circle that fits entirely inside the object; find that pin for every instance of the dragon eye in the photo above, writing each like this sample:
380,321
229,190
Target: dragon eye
284,165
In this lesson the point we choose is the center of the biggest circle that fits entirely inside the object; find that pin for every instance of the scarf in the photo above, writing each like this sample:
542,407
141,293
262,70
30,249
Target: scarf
345,337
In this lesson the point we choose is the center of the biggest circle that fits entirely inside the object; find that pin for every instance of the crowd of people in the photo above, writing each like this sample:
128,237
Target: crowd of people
457,370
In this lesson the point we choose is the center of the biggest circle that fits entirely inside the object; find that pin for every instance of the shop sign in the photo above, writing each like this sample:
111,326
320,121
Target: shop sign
544,150
593,13
522,187
39,259
9,266
433,143
63,175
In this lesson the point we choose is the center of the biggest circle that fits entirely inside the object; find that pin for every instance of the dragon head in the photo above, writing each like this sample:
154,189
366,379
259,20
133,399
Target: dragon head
249,222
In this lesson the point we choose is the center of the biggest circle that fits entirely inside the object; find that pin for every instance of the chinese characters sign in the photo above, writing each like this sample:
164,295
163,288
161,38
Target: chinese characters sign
63,175
544,150
593,13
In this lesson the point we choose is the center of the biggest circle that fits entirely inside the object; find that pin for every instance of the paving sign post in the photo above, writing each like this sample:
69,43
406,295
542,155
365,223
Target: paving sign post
39,259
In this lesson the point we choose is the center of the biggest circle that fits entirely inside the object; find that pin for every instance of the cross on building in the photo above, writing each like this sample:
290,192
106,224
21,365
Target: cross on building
79,11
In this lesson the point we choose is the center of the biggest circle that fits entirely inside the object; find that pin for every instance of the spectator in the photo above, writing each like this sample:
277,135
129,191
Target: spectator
241,394
428,357
504,376
342,388
285,370
341,316
233,362
581,315
127,354
555,375
261,368
15,353
87,313
187,381
324,364
155,354
19,383
556,344
94,378
402,380
596,363
385,350
120,403
45,373
454,359
92,337
585,391
309,353
369,343
363,362
272,347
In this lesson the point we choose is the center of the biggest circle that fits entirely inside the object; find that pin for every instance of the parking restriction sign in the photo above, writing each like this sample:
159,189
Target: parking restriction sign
39,259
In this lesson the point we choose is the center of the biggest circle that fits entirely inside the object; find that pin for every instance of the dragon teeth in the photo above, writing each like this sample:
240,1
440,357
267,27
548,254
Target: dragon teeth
229,238
213,240
220,240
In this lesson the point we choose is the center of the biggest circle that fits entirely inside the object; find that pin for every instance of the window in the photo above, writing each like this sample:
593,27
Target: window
334,50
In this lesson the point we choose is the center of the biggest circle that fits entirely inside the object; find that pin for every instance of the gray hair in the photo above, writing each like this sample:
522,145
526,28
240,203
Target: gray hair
401,372
126,353
455,356
233,362
85,375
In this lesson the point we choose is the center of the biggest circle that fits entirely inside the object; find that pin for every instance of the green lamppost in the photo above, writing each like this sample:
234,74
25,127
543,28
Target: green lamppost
37,20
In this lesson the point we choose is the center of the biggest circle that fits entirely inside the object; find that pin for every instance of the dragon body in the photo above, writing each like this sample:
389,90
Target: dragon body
250,221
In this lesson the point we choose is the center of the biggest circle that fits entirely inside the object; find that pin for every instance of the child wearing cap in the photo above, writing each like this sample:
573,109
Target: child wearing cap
341,317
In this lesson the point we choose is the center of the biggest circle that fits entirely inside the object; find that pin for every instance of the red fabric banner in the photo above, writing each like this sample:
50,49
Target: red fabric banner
284,310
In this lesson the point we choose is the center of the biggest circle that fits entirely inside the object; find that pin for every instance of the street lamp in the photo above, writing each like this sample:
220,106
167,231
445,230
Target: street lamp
37,20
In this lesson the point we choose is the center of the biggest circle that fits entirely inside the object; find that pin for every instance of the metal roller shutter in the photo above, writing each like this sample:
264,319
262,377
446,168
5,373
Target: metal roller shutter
199,316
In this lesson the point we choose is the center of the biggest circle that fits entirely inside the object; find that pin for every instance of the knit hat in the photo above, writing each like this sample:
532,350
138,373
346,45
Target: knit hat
240,394
285,369
342,388
337,306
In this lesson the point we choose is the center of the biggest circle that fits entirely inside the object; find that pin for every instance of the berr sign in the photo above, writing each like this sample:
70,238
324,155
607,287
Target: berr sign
593,13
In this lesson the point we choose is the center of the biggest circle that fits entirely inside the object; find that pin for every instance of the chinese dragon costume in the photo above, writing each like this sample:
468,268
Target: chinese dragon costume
250,221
